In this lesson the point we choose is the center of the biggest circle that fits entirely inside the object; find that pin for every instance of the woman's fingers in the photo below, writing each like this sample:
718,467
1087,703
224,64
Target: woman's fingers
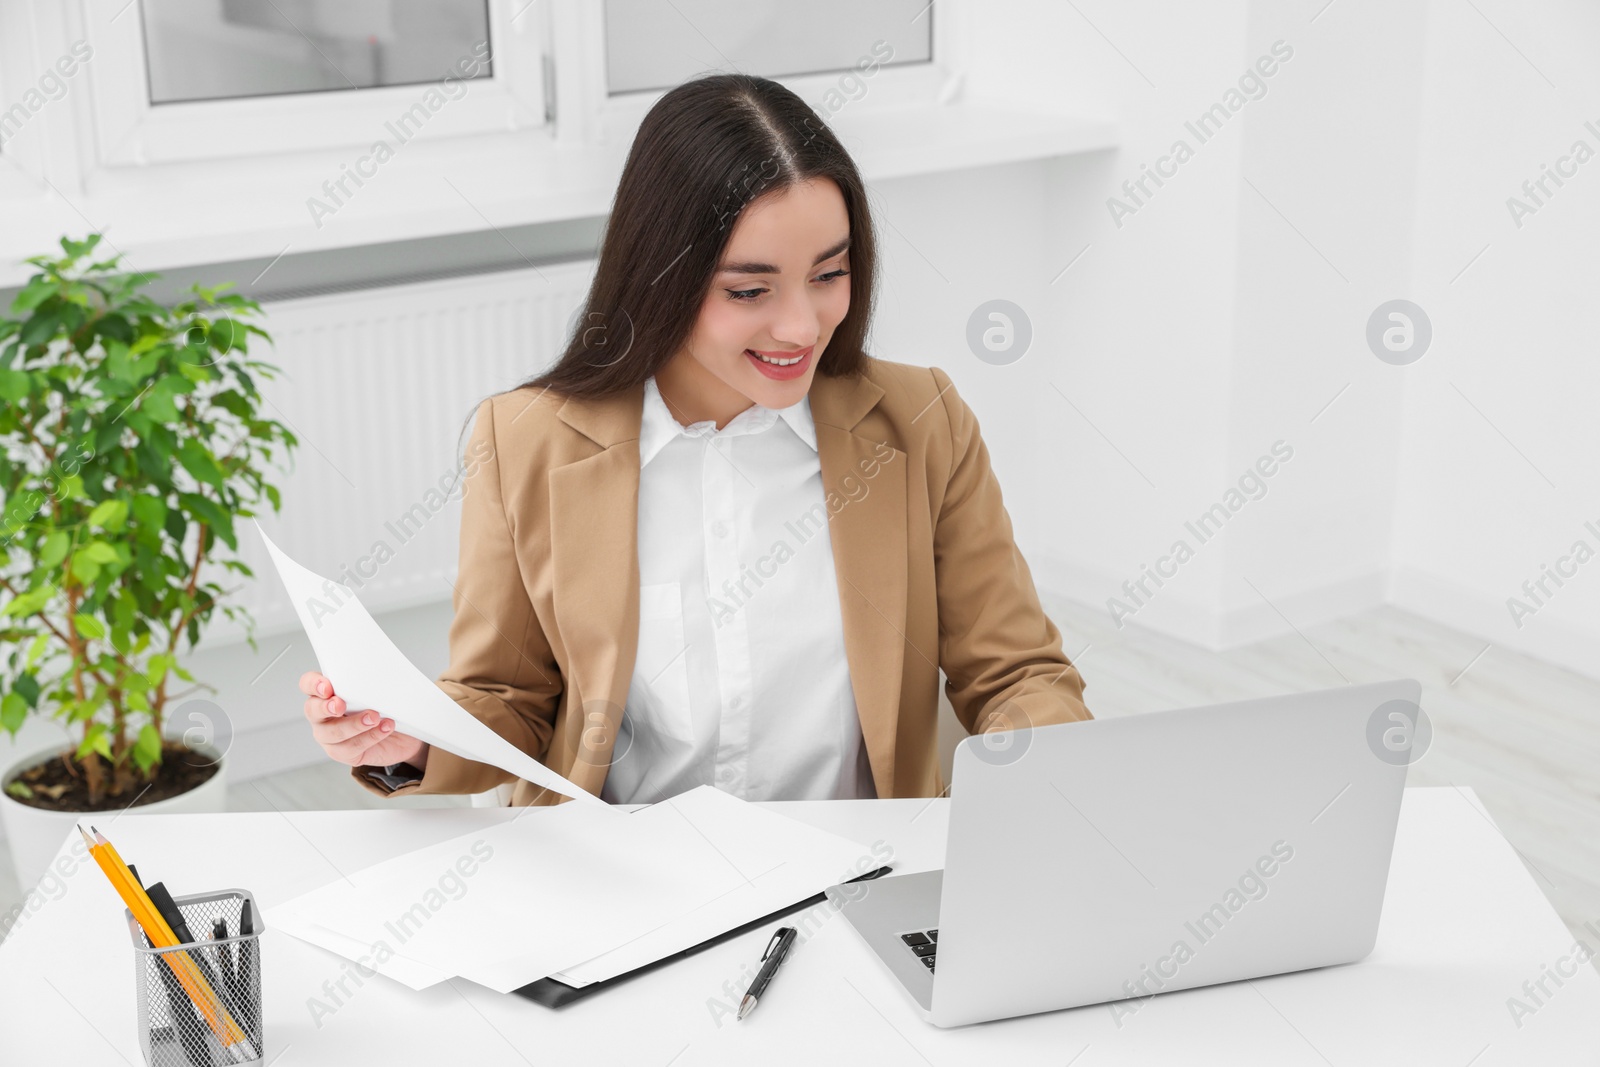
353,749
341,728
346,738
320,693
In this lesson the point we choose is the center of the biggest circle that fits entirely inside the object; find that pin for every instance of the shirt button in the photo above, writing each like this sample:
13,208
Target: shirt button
720,528
736,702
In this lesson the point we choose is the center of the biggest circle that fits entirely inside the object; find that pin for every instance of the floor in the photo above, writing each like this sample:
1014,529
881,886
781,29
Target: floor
1524,734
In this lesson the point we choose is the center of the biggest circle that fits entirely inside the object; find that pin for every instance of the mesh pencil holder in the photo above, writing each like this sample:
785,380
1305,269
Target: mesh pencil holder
187,993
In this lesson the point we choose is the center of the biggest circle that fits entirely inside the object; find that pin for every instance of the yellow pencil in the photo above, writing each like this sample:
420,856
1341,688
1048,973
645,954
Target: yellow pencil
161,935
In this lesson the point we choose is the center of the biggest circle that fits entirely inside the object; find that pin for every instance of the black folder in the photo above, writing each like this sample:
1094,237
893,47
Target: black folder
554,994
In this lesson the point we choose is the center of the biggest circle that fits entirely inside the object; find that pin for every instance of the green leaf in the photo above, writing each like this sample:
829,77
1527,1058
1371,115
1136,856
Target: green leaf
42,326
124,609
79,249
89,627
147,747
13,710
109,515
158,404
233,403
198,461
114,327
27,688
25,604
36,292
19,789
100,552
15,384
157,669
84,569
55,549
149,511
176,525
205,510
97,739
225,334
36,649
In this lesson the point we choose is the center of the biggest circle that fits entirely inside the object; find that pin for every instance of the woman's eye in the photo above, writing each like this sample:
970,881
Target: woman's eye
751,294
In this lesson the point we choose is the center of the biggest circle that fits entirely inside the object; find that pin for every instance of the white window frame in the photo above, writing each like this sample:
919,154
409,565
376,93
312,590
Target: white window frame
182,185
578,37
129,131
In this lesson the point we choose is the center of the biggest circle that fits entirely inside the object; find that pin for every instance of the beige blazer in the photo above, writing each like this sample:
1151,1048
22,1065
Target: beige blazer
547,600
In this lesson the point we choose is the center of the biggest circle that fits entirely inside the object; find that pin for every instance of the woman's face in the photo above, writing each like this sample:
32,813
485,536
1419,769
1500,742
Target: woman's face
781,288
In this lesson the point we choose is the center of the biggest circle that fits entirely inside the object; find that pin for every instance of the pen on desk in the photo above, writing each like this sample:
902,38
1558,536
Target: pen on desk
777,949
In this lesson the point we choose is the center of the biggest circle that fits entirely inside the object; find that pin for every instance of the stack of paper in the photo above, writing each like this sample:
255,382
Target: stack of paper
587,893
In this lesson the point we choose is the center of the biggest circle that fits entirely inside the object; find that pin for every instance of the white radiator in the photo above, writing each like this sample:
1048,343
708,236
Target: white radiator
377,384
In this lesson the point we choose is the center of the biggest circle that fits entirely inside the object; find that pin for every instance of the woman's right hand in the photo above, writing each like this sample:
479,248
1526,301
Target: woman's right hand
364,740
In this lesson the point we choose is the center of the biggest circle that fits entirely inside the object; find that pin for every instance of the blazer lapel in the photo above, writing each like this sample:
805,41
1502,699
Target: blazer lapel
594,519
867,529
594,523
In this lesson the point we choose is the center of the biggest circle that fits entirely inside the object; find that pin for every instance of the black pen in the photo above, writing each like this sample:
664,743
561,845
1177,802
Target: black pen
247,960
777,949
230,977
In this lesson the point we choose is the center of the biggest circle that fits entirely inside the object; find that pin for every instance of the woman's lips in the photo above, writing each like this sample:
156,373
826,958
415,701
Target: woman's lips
781,373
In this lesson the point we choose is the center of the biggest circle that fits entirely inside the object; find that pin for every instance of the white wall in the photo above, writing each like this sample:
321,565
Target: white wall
1500,467
1137,334
1231,309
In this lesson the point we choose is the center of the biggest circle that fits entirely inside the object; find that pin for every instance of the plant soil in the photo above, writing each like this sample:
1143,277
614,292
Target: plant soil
55,787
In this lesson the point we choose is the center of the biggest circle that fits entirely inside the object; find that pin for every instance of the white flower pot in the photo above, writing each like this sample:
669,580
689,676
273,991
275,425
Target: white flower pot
34,835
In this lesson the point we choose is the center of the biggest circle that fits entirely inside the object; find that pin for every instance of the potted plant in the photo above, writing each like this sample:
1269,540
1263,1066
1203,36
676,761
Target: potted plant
132,440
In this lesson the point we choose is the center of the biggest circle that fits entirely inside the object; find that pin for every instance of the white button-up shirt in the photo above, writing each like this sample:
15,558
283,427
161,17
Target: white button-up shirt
741,680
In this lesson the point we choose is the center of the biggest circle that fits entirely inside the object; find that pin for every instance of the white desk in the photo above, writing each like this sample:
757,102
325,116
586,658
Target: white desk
1464,927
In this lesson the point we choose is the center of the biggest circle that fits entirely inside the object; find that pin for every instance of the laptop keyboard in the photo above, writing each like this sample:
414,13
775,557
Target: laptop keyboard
924,944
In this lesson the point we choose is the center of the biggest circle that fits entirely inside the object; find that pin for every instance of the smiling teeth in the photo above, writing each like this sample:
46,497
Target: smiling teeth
775,362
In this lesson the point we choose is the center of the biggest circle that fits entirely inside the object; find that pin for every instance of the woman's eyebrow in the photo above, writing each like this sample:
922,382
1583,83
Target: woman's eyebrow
768,268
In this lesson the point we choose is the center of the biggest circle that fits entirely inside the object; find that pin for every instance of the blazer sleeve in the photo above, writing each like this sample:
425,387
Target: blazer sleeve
501,667
1000,653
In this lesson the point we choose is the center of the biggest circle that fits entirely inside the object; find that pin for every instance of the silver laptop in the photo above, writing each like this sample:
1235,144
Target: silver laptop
1105,861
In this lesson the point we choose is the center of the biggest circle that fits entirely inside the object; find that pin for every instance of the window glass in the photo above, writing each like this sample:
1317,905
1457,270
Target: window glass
651,45
218,49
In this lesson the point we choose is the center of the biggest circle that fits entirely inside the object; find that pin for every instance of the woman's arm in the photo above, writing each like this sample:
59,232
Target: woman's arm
501,667
1000,653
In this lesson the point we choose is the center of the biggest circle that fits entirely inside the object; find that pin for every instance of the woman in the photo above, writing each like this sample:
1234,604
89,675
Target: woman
717,542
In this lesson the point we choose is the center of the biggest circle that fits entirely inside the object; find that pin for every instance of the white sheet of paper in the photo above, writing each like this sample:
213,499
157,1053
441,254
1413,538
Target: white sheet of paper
566,885
549,888
788,861
300,924
369,672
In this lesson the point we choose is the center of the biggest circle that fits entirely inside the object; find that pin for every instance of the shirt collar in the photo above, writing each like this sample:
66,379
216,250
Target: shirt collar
658,426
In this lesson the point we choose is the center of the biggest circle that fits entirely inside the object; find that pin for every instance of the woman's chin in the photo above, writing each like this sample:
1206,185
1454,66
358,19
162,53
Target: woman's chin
770,394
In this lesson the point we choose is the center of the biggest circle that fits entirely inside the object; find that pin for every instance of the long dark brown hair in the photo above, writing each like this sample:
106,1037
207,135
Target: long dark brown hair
703,153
